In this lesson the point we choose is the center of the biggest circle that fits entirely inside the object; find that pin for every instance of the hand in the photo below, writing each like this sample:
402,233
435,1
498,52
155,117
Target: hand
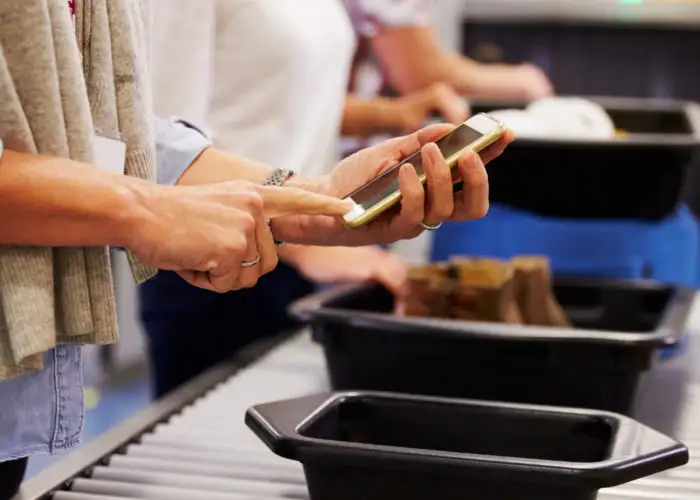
432,205
412,111
344,264
502,81
208,233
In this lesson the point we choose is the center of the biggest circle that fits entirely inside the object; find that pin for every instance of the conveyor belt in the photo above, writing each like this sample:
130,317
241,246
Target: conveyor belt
204,450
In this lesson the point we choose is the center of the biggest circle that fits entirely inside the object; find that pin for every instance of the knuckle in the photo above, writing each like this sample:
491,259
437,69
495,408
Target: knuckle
443,211
253,201
248,280
236,247
440,89
270,264
247,227
244,186
481,209
479,181
414,218
256,203
220,285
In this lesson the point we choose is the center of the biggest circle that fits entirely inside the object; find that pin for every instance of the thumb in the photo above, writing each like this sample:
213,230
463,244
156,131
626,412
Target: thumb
282,201
429,134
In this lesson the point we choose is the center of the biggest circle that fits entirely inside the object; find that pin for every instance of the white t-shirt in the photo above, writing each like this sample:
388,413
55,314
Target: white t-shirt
267,78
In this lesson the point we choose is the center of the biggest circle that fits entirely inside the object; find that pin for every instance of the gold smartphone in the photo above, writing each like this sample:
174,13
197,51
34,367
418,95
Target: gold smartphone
381,193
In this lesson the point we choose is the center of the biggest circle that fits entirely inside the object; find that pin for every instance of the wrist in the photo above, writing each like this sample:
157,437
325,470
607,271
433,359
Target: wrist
464,74
320,184
394,115
214,165
136,215
369,117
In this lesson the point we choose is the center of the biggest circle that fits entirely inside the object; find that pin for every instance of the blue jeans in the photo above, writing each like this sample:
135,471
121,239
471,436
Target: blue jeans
190,330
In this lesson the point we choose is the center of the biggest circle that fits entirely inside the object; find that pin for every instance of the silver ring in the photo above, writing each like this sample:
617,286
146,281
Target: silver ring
251,263
428,227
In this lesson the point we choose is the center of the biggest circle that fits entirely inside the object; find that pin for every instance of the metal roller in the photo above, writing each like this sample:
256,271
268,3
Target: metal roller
142,491
198,482
224,459
72,495
196,468
195,444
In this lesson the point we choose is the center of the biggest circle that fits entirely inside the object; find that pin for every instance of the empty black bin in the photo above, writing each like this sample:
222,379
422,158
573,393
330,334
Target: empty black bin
380,446
638,176
618,327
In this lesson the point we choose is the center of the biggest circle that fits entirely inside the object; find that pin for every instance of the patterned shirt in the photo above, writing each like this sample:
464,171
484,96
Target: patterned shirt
370,18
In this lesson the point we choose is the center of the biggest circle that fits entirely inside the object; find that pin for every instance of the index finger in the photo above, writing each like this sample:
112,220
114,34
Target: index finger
282,201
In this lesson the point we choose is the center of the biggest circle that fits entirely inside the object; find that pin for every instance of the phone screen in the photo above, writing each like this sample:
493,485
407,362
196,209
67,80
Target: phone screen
374,192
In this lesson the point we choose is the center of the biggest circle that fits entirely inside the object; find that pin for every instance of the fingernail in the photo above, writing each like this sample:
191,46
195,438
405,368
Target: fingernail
433,151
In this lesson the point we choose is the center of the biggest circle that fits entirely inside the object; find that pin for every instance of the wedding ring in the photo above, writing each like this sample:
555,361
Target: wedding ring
428,227
251,263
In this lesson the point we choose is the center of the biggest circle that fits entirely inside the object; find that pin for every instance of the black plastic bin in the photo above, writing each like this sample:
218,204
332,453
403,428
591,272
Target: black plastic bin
640,176
374,446
618,327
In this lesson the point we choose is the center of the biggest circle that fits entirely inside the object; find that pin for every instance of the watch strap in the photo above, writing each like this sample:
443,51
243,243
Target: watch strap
276,178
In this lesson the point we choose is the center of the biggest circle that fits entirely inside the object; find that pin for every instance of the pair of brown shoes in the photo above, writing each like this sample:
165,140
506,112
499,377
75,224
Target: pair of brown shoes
518,291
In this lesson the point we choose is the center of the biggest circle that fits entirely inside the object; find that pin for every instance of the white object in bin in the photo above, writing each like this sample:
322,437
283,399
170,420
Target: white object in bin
521,122
572,117
559,117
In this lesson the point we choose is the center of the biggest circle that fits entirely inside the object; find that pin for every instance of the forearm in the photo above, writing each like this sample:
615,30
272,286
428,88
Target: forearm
58,202
462,73
414,60
413,57
186,157
369,117
214,165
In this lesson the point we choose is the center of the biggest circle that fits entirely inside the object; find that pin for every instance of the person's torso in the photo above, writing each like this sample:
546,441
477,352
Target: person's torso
42,410
280,74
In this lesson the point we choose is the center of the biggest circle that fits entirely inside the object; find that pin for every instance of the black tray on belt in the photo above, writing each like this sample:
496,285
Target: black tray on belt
379,446
640,176
618,327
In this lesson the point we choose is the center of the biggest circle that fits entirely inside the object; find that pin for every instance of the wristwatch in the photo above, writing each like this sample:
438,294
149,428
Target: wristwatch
276,178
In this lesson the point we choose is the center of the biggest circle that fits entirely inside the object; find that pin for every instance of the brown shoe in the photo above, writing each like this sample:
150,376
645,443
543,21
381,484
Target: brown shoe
484,291
534,293
429,290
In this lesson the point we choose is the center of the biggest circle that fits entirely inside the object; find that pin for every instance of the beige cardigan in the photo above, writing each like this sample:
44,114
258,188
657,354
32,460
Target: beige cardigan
52,103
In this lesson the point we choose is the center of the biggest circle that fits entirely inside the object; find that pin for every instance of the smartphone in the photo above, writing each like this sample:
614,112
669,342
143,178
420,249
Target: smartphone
380,194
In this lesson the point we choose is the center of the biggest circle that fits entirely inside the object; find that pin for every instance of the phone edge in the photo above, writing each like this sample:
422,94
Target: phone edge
477,146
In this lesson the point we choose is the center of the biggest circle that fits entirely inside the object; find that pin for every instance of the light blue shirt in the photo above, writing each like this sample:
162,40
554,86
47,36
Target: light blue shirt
42,411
